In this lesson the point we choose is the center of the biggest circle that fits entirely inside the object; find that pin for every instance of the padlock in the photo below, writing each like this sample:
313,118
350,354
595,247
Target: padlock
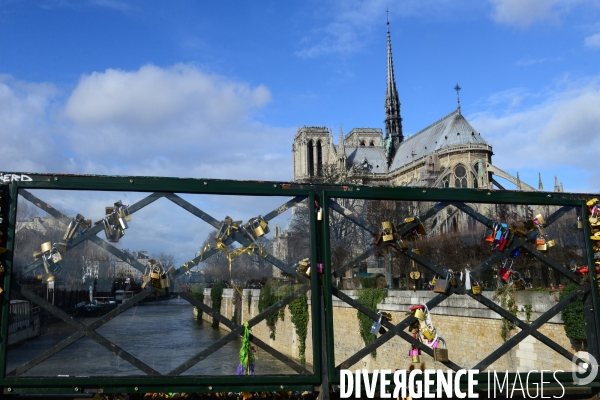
504,272
49,274
420,227
387,228
591,202
550,243
453,279
155,273
71,229
433,281
420,314
56,257
376,325
123,211
415,357
579,223
46,247
441,354
441,285
108,230
122,223
539,220
258,229
475,288
502,242
428,333
488,235
541,245
416,251
414,273
515,253
164,280
510,238
319,214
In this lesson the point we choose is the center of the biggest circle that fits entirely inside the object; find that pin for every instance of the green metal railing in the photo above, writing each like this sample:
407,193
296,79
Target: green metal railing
323,375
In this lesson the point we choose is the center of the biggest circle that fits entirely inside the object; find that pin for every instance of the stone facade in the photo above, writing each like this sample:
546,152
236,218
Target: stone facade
471,331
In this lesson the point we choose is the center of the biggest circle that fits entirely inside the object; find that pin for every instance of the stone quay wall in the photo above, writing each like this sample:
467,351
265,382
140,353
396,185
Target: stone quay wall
471,331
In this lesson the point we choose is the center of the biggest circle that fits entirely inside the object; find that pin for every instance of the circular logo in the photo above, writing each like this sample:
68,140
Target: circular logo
584,372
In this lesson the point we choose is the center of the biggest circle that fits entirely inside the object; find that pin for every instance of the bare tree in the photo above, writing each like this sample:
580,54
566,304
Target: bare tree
26,211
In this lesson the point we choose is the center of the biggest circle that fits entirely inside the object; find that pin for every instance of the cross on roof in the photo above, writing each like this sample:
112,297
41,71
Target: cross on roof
458,88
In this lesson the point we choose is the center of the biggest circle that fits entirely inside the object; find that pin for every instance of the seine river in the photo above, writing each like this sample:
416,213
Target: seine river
162,335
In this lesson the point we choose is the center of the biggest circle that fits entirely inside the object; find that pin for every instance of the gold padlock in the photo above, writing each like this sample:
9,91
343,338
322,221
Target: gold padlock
428,333
475,288
416,359
540,219
415,275
452,279
420,314
46,247
551,243
416,251
388,234
579,223
258,231
591,202
388,238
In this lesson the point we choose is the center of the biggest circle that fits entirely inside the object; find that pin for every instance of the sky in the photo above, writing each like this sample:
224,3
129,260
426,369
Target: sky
206,89
218,89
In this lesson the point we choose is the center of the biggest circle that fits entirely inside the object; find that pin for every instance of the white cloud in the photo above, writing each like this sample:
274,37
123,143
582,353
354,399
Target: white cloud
344,26
177,121
28,140
593,41
523,13
560,133
530,62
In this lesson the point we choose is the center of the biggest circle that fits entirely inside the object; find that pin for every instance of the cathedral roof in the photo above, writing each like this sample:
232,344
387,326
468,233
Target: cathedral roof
449,131
375,157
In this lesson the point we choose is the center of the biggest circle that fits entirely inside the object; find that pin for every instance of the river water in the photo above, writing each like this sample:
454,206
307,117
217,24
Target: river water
162,335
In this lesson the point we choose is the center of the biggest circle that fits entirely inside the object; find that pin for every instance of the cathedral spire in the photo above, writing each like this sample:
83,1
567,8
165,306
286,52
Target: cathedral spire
393,121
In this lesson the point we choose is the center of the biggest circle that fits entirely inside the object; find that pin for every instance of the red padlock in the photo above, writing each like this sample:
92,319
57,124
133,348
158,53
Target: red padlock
504,272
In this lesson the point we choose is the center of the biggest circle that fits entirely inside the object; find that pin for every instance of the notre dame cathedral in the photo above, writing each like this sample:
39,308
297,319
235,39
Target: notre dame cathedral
447,153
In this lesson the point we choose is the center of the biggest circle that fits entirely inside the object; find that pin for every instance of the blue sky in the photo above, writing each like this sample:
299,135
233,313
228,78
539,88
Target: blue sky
204,89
